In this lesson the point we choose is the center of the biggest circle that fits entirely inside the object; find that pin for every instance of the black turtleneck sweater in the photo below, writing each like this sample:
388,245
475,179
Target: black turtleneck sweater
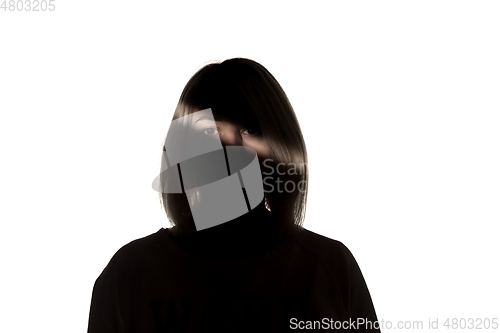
247,275
253,234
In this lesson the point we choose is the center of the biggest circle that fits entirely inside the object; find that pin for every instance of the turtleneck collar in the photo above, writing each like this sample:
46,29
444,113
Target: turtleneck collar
252,234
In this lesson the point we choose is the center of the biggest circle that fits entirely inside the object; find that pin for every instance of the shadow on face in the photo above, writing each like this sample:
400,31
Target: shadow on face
232,132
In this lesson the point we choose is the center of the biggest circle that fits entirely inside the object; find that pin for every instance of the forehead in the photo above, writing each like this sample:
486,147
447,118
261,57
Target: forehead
240,118
236,117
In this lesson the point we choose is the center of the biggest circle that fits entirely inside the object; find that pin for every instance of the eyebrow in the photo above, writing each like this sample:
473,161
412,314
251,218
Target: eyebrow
215,118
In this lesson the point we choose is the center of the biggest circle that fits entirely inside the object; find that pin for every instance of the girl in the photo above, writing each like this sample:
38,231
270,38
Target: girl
259,271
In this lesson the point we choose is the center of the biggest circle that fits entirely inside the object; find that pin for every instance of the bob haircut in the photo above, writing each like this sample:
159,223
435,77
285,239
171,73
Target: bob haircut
244,90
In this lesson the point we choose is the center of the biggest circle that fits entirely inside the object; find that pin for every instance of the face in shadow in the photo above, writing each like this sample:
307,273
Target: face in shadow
220,184
232,132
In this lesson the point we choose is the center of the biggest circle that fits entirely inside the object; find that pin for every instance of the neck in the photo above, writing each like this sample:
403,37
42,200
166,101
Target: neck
251,220
256,232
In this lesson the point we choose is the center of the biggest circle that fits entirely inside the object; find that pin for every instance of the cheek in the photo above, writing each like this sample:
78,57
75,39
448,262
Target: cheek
259,145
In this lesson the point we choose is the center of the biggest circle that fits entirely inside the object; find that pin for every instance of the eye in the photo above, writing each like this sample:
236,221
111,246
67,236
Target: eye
210,131
250,132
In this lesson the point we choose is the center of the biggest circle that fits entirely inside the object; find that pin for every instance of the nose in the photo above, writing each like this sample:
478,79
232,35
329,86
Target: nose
231,138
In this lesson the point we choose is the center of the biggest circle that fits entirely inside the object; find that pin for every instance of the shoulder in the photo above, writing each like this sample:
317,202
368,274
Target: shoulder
137,248
322,245
345,272
129,256
338,260
333,253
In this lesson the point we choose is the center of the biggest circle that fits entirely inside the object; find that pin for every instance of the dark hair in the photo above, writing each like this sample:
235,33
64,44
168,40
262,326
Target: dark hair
244,90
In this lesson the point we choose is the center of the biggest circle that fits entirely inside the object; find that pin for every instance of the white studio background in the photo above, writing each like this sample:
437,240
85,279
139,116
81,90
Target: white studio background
398,103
